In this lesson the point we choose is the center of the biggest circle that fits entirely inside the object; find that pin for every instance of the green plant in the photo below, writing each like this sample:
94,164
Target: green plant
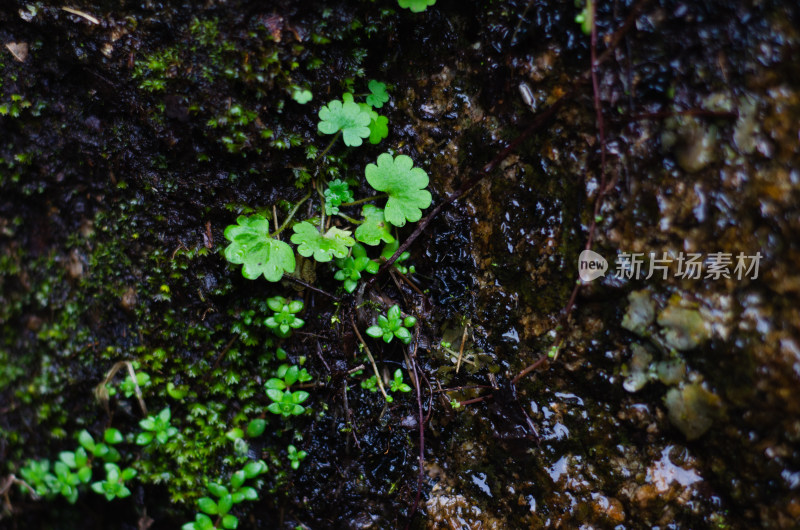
227,496
338,191
285,401
113,487
104,451
374,227
378,95
301,95
345,116
156,427
416,6
324,247
252,247
388,251
404,184
584,18
284,320
351,267
392,325
127,386
397,384
295,456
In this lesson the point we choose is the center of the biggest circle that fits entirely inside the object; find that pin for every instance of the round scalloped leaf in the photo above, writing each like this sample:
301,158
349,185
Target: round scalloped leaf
404,184
374,229
347,117
334,243
378,94
416,6
258,253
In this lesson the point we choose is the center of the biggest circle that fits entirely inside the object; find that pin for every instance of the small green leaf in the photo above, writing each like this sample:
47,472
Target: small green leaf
217,490
237,479
234,434
112,436
253,469
144,438
258,253
416,6
256,427
404,184
230,521
375,331
68,457
86,440
224,505
207,505
347,117
301,95
374,229
334,243
378,94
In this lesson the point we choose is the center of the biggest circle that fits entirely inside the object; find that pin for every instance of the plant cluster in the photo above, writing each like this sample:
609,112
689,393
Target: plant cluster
285,401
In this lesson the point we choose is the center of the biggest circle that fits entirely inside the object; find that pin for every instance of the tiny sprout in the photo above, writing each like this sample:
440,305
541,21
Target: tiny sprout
392,325
397,383
284,320
456,404
301,95
295,456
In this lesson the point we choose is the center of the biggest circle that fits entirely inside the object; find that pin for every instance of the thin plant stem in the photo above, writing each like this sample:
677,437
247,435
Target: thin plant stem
291,215
328,148
371,359
360,201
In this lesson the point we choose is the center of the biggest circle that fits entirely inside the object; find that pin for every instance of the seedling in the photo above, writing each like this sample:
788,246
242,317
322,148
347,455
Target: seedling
388,251
253,248
392,325
285,401
301,95
113,487
104,451
416,6
226,497
378,95
284,320
397,384
295,456
127,386
324,247
404,184
338,191
350,268
156,427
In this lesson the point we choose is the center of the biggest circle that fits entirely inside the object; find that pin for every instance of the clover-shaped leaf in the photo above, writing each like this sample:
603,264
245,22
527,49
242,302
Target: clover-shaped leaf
374,229
338,191
378,127
252,247
334,243
347,117
404,184
378,94
416,6
301,95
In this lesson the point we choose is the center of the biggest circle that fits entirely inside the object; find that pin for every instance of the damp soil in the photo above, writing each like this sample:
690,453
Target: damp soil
133,133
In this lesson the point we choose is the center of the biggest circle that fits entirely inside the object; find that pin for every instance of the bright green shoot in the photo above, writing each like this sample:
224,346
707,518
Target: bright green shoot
392,325
324,247
113,487
284,320
416,6
295,456
350,268
156,427
285,401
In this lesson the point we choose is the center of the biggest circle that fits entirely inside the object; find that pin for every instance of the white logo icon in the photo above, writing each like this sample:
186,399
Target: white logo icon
591,266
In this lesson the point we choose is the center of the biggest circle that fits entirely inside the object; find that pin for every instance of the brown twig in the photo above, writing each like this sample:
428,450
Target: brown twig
421,426
309,286
371,359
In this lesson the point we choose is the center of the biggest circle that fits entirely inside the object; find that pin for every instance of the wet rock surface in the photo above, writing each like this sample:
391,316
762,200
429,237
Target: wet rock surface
672,400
